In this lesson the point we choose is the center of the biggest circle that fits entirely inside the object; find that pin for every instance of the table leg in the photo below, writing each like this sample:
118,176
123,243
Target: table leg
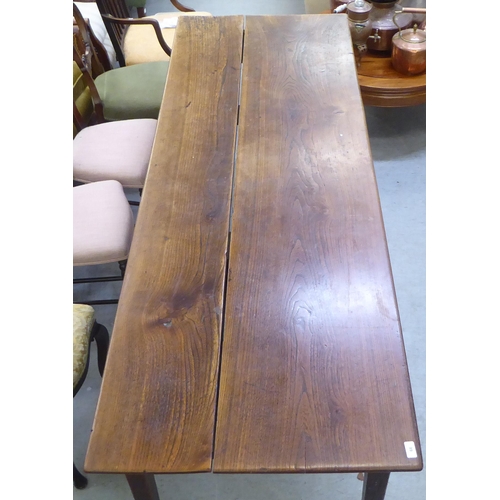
143,486
374,485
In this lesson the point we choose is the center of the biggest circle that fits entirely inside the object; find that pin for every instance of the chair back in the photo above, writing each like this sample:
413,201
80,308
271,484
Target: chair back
87,104
117,9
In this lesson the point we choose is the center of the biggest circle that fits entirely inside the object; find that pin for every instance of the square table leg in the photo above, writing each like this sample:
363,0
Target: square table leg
374,485
143,486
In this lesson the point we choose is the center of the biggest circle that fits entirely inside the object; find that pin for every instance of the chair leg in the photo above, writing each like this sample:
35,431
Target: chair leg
79,480
101,336
123,265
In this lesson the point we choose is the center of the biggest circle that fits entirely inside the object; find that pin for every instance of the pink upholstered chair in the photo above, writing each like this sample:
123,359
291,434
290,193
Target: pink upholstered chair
103,226
118,150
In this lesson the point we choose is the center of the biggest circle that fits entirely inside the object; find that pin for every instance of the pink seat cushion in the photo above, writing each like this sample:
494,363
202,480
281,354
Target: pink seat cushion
118,150
103,223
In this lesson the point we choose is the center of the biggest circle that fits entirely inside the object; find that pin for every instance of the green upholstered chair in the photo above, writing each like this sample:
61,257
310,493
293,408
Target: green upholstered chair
85,330
142,40
140,6
133,92
121,93
118,150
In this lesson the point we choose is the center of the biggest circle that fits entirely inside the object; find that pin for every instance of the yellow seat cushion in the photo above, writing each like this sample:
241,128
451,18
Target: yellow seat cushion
141,44
83,321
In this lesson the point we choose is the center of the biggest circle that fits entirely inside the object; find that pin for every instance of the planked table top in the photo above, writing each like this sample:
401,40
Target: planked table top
258,329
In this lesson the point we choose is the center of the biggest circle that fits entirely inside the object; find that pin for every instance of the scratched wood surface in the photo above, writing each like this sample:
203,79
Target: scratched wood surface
156,411
314,375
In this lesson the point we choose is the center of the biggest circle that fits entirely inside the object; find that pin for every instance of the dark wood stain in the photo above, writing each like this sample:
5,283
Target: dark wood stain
156,412
313,374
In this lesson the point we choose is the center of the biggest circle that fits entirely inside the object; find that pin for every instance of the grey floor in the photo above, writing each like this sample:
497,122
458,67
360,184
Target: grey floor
398,142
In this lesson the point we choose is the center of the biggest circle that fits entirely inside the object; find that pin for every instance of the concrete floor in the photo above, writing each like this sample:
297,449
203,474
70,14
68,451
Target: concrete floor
398,141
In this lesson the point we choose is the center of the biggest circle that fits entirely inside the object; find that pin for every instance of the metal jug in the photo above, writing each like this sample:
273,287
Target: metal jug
409,48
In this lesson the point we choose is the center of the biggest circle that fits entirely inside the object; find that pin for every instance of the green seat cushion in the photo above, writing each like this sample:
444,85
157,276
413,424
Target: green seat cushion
133,91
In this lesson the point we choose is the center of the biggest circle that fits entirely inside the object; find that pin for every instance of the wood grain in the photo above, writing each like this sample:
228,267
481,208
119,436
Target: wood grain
156,411
314,375
381,85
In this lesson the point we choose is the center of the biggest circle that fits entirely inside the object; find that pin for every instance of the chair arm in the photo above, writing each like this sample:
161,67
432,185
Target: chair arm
153,22
181,7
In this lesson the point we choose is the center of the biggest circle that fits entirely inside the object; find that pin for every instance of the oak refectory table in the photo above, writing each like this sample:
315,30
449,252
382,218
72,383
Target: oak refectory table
257,328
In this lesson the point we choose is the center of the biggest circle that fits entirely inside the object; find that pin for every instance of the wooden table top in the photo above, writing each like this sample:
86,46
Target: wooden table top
279,348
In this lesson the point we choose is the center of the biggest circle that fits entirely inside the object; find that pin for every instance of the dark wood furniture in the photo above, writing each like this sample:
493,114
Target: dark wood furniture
100,335
116,17
381,85
258,329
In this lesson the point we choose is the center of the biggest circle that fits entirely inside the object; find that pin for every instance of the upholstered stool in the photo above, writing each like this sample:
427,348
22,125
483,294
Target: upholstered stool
85,330
103,223
117,150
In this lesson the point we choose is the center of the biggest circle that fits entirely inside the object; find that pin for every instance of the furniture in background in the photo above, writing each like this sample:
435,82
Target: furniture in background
85,331
258,329
103,226
140,6
124,93
381,85
141,40
90,12
118,150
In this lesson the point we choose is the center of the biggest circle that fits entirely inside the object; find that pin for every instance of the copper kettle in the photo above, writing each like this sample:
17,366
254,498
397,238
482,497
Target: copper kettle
409,47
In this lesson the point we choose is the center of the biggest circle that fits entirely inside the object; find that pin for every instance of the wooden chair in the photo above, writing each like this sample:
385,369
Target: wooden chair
118,150
98,32
86,330
140,6
141,40
123,93
103,226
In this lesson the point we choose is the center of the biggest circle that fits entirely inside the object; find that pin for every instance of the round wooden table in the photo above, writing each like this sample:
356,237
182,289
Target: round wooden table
381,85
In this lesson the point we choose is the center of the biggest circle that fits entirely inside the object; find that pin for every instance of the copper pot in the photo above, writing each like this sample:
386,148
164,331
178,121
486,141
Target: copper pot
383,27
408,51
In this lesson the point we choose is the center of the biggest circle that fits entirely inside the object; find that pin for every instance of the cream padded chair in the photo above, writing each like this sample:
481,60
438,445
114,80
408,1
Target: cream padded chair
85,330
140,44
141,40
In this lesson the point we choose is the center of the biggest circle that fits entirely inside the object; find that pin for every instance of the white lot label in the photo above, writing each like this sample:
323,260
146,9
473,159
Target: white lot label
411,451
